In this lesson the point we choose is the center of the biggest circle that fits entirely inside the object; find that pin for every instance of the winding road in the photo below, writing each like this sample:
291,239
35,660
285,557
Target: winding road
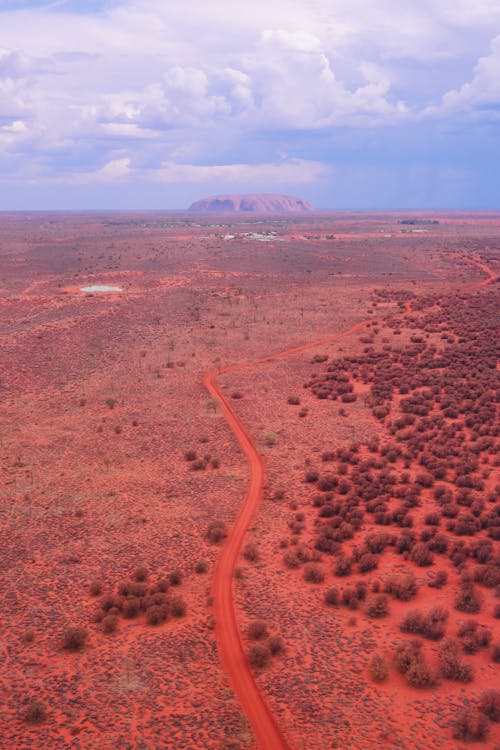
266,731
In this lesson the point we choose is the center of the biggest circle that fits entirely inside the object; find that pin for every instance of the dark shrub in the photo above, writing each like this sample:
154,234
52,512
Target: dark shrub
313,573
190,455
451,665
332,596
131,607
379,670
201,567
175,577
342,566
178,606
251,553
489,704
35,712
440,580
216,532
257,630
474,636
468,599
109,624
402,586
311,476
258,655
377,606
471,725
420,675
156,614
141,573
291,560
95,588
276,645
74,638
421,555
350,598
430,624
367,562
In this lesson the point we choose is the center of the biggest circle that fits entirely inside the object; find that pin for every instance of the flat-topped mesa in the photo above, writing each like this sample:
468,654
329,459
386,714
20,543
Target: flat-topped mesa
270,203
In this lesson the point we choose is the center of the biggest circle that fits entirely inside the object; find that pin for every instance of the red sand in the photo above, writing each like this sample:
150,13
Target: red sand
93,491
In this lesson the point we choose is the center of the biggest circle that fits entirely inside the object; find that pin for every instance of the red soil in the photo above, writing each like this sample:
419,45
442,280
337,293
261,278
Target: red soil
91,491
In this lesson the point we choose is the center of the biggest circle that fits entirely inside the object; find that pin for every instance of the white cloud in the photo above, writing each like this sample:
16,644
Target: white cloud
156,82
477,99
297,171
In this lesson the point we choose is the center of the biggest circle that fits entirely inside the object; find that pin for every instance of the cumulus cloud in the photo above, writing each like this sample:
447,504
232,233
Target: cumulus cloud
296,171
155,84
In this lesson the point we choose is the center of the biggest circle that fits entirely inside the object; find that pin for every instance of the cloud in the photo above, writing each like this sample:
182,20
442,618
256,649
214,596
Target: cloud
296,171
132,88
479,98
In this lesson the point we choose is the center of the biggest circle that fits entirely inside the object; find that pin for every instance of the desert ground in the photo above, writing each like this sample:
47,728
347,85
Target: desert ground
249,495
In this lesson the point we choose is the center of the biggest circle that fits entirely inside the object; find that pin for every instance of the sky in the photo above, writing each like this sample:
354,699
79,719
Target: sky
152,104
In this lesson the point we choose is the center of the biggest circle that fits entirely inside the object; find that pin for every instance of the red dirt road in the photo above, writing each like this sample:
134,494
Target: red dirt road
266,731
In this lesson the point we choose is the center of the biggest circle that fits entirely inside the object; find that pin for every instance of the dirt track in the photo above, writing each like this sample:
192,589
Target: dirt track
267,733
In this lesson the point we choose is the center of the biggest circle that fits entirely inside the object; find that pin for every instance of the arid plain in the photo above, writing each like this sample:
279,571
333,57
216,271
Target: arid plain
367,585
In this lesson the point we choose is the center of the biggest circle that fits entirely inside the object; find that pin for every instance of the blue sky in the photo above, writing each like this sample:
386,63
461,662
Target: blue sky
152,104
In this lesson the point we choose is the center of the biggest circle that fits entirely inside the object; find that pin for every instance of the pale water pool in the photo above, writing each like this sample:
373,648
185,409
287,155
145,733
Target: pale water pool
101,288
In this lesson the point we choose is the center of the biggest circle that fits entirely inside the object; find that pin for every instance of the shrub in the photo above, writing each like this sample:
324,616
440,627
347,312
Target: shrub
293,400
29,635
379,670
74,638
332,596
198,465
276,645
405,653
474,636
190,455
342,565
291,560
367,562
95,588
431,624
178,606
313,573
489,704
201,567
258,655
495,653
175,577
35,712
350,598
440,580
451,665
410,661
216,532
251,553
471,725
257,630
109,624
420,675
468,599
377,606
131,607
141,573
402,586
421,555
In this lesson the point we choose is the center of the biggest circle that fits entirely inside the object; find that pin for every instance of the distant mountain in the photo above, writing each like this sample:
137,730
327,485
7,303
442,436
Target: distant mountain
270,203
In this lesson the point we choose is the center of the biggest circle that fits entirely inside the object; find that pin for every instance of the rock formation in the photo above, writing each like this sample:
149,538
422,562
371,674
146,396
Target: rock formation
253,203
